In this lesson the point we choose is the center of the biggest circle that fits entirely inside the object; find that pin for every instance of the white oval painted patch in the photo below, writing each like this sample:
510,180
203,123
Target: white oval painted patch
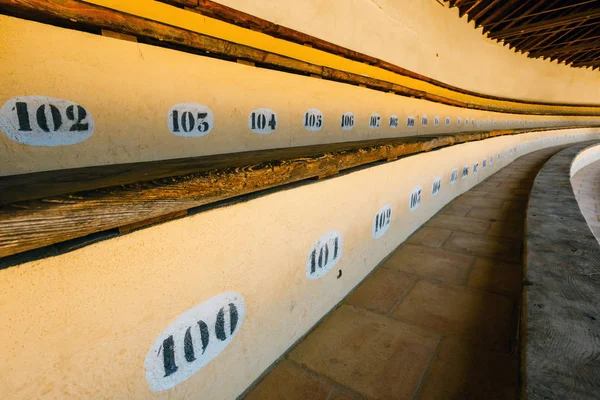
347,121
394,121
374,121
465,172
382,221
190,120
415,198
193,340
436,121
313,120
410,121
324,254
454,176
262,121
447,121
437,185
45,121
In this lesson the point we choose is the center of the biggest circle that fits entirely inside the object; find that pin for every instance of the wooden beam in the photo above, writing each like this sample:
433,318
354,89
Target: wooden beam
595,44
552,37
472,6
483,11
509,4
531,14
528,8
32,224
587,63
586,59
551,23
582,37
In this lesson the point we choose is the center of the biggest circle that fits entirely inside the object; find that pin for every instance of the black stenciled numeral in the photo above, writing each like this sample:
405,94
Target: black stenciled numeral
42,121
187,121
56,118
321,258
203,125
347,120
220,323
23,116
260,120
313,261
233,315
188,346
335,248
204,335
272,122
169,356
81,115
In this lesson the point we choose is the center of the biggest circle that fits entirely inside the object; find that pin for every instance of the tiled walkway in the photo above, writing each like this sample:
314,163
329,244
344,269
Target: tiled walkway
586,184
437,320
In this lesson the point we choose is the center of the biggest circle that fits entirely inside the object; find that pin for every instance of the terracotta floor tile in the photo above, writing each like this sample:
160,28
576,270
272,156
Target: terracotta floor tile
496,276
511,185
370,354
381,291
291,382
428,263
460,371
477,201
486,186
508,195
459,311
510,230
488,214
343,396
454,223
475,192
485,246
456,209
429,236
516,207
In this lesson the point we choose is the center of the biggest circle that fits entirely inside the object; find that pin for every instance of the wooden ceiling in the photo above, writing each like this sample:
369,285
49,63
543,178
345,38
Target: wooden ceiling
563,30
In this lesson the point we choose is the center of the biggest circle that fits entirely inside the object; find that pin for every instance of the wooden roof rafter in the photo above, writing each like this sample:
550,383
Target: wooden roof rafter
550,29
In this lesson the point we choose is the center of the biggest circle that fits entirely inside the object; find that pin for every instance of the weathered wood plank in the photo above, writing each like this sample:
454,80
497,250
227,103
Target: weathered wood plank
91,17
37,185
31,224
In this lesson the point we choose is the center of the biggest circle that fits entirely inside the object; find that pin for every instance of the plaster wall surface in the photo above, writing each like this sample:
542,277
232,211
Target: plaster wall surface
430,39
81,324
585,158
129,90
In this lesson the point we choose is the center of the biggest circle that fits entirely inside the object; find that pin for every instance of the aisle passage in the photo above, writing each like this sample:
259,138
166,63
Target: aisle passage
586,184
437,320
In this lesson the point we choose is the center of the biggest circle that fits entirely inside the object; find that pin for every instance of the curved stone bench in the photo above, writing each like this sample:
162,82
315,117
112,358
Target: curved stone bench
560,319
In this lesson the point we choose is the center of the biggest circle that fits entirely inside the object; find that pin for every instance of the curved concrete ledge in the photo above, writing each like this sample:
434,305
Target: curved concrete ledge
560,321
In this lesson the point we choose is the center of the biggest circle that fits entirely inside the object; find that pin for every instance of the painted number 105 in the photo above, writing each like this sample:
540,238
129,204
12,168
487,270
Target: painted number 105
190,119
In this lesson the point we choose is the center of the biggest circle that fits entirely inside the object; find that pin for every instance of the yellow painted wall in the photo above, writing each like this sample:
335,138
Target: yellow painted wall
430,39
128,89
80,324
